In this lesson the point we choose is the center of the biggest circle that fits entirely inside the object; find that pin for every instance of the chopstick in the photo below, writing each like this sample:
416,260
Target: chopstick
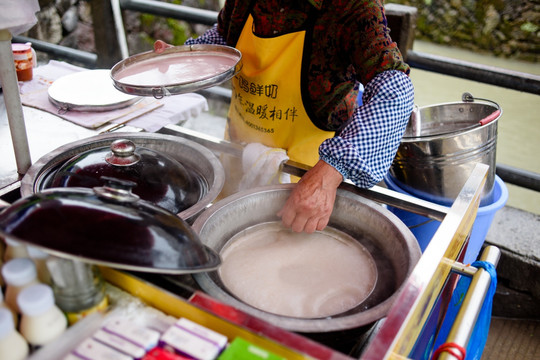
123,123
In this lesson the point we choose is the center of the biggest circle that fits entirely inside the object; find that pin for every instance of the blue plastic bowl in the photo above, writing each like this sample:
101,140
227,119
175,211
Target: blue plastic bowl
424,228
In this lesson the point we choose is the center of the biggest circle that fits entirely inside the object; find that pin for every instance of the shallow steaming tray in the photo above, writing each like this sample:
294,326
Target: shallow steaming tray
176,70
88,90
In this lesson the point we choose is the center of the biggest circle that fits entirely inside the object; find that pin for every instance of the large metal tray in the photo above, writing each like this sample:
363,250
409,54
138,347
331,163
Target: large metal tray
176,70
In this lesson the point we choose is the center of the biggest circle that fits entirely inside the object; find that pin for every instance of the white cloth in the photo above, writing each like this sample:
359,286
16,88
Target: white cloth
262,166
18,16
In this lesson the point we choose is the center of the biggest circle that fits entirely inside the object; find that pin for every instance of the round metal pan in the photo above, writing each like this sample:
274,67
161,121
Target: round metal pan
89,90
390,243
176,70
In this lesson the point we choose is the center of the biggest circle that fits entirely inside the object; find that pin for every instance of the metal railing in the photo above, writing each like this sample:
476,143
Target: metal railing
466,70
491,75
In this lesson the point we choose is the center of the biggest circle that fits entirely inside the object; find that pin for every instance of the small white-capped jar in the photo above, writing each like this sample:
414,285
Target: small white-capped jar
24,57
41,320
13,346
18,274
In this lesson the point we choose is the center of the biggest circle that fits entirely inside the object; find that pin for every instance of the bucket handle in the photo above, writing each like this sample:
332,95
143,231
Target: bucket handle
467,97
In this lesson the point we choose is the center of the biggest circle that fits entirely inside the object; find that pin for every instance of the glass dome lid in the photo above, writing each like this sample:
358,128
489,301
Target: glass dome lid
159,178
110,226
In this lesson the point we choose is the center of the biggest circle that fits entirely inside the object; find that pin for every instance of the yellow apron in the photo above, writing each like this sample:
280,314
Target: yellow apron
266,105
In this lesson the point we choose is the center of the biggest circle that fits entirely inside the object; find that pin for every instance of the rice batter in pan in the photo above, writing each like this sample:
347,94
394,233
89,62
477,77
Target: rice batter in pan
297,274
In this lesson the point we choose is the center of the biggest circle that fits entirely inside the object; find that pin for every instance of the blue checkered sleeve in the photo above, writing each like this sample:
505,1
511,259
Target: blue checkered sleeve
364,150
210,36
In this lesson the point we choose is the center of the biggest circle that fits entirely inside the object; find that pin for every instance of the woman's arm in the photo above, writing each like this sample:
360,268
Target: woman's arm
364,150
211,36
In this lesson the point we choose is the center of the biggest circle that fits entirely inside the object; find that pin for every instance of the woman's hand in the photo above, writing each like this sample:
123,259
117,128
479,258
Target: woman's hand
161,45
311,202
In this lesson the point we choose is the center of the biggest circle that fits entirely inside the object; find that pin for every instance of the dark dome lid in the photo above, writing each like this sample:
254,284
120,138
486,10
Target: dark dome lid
108,225
159,178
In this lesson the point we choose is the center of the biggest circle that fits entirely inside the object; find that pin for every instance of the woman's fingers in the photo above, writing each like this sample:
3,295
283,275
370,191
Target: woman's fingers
161,45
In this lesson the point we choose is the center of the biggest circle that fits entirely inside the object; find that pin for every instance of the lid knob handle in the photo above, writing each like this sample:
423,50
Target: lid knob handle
122,153
117,190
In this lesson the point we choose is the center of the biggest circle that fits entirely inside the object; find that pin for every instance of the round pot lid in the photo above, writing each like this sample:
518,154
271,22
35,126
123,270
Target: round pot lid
176,70
88,90
159,178
110,226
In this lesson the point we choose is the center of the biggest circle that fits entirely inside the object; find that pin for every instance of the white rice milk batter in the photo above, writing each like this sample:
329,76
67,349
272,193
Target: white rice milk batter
171,69
297,274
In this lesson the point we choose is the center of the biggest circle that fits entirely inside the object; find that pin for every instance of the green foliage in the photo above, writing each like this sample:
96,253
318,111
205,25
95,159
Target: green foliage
147,20
502,27
179,31
529,27
169,30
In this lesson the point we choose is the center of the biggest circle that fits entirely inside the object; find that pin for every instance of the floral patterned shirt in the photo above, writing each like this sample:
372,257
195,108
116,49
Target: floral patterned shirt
347,46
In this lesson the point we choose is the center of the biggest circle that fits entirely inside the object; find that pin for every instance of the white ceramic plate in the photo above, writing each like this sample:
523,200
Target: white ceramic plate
88,90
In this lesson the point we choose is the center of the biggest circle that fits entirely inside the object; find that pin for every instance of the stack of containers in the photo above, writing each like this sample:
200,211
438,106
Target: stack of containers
30,318
123,338
31,301
29,297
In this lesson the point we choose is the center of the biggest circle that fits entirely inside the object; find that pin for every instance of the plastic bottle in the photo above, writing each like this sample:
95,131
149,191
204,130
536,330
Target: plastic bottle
14,249
78,287
12,345
18,274
41,320
3,305
2,247
2,252
39,258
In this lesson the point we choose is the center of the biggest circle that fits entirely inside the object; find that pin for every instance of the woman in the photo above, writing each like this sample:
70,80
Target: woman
303,62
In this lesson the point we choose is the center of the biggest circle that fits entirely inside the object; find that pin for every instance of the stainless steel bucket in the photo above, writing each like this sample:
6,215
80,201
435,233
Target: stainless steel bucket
442,144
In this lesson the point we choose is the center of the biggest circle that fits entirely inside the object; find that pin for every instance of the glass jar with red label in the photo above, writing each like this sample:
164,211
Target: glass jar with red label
24,61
